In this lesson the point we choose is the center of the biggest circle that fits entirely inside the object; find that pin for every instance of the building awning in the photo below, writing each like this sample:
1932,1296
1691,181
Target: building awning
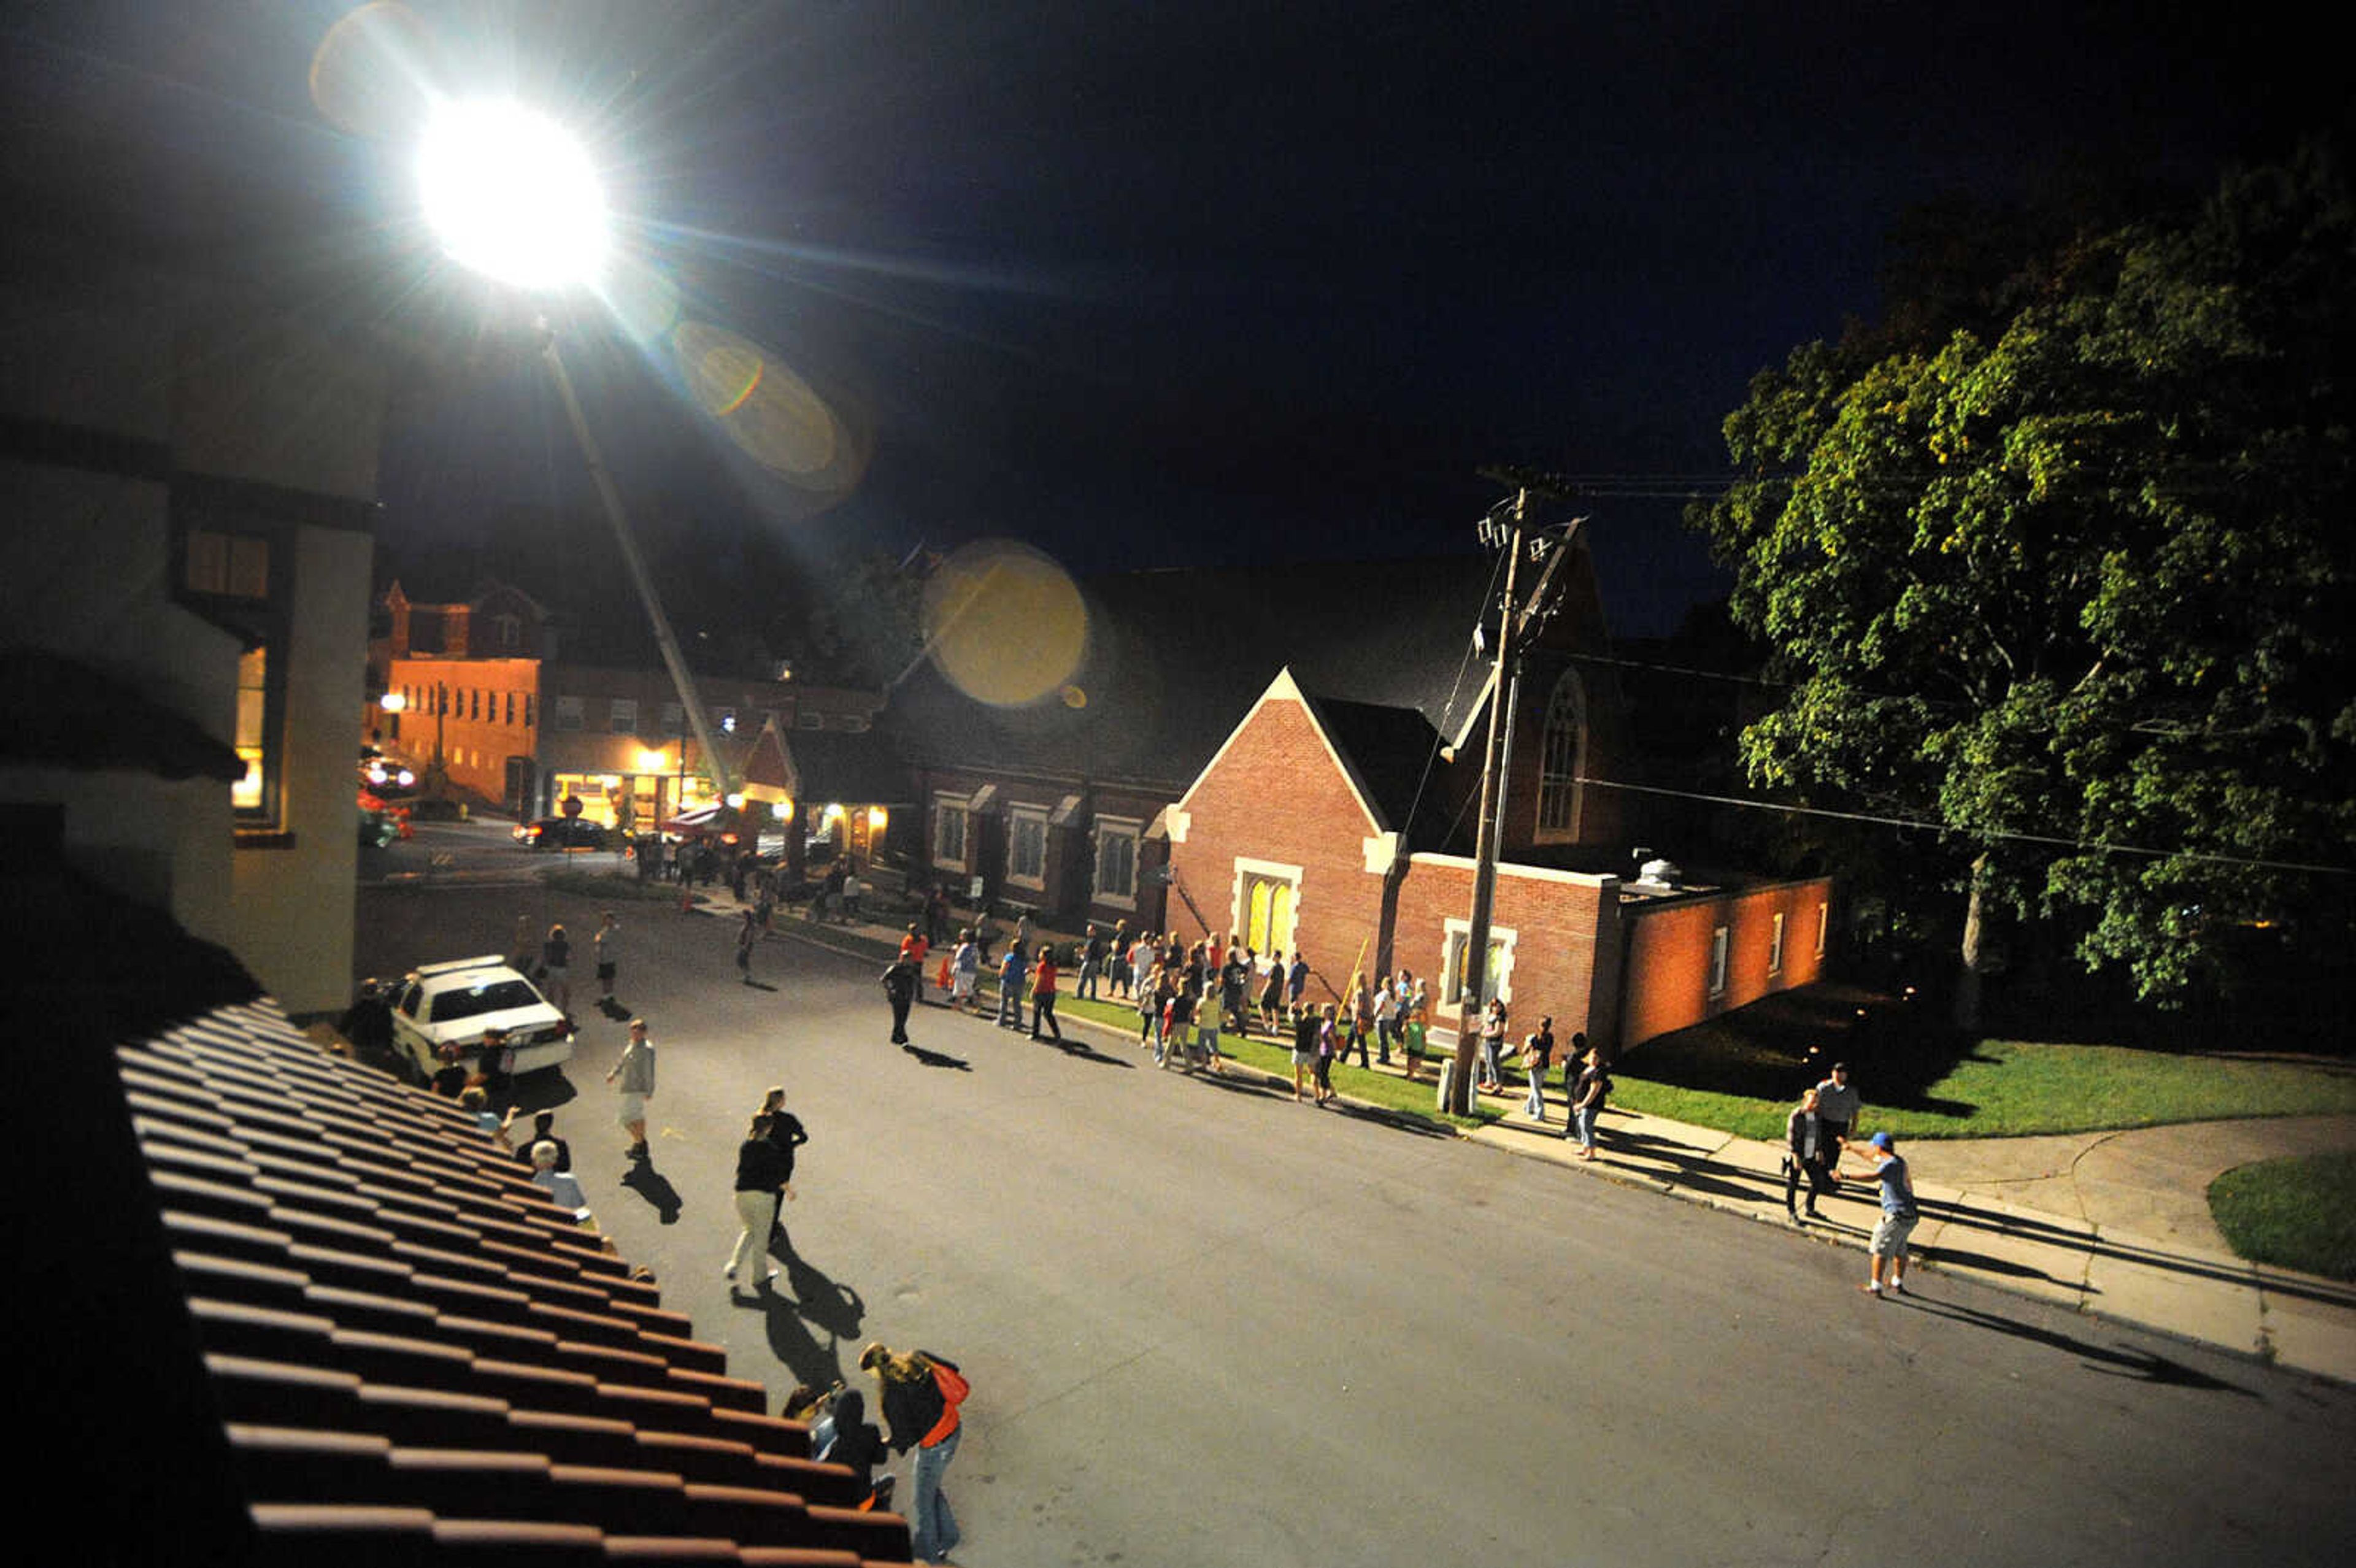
1066,809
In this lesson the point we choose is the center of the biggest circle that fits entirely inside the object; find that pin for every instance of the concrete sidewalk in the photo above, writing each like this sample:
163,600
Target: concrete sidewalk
2114,1225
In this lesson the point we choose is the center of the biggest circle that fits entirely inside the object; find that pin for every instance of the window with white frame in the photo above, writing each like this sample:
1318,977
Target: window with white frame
622,715
1775,946
569,713
1562,760
1718,949
1266,907
1455,972
1116,841
1026,845
949,831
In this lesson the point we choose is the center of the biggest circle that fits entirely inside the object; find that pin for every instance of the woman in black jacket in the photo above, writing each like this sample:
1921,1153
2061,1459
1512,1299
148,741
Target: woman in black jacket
921,1395
761,1174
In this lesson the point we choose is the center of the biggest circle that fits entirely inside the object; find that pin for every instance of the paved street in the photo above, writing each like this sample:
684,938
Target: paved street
1207,1325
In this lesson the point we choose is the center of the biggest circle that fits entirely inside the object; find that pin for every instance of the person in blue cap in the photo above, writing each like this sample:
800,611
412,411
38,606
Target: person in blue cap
1897,1217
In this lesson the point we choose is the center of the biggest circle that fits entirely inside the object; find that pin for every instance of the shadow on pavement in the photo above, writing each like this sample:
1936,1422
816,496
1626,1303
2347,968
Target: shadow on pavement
2109,1360
937,1059
810,1304
655,1187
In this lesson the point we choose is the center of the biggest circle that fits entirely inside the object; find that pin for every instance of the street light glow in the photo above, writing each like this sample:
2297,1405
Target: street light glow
512,195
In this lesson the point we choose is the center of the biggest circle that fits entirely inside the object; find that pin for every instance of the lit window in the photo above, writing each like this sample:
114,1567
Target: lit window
1455,976
1823,927
1717,942
1775,947
250,794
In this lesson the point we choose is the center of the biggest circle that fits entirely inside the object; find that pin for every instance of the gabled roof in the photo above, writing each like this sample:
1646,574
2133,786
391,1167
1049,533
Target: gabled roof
1394,753
1176,657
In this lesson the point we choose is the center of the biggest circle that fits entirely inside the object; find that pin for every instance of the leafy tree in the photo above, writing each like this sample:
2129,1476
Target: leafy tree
2075,584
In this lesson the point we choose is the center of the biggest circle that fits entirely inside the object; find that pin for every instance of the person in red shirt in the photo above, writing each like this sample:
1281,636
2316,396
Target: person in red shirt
1042,994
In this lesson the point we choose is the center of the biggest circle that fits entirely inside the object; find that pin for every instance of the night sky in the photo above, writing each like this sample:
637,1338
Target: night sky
1148,284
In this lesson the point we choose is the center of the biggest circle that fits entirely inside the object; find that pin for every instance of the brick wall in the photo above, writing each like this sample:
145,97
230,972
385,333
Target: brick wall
1668,942
1275,795
1553,918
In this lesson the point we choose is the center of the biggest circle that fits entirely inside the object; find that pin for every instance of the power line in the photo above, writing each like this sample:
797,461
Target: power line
2080,843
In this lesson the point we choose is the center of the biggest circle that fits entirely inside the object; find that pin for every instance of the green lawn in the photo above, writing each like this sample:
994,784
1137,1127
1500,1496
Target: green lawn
2294,1213
1742,1072
2008,1088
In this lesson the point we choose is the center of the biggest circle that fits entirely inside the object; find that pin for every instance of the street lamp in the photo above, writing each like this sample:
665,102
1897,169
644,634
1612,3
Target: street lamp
510,195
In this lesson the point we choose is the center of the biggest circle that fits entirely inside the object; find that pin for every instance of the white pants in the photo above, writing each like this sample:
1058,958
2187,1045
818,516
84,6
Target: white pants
759,1212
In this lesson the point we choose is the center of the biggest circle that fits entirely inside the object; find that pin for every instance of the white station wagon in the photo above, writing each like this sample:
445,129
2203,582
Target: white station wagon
455,1003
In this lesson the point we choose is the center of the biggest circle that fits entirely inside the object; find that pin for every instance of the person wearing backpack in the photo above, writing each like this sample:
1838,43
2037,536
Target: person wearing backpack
922,1393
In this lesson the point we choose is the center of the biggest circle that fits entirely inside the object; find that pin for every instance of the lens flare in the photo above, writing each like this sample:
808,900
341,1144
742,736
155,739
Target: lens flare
373,74
1004,623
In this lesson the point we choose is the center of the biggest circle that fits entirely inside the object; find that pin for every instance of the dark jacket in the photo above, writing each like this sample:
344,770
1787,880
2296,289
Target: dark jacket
786,1136
761,1167
913,1409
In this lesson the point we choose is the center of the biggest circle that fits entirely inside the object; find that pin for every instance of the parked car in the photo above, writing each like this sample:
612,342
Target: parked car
454,1003
561,833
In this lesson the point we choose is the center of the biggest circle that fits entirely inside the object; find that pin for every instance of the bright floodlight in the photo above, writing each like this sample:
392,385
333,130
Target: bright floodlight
512,195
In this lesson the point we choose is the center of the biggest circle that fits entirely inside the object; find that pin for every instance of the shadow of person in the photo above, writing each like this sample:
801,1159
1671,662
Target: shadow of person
935,1059
760,985
808,1320
2109,1360
613,1009
653,1186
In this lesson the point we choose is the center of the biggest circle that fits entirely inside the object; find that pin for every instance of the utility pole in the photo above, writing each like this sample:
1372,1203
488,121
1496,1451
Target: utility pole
1475,995
1516,618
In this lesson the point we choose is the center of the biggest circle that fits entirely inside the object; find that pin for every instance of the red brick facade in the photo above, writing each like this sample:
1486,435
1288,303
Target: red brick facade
1671,968
1275,803
1621,962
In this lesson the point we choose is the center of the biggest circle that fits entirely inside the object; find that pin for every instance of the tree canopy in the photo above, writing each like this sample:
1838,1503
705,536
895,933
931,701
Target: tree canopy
2073,581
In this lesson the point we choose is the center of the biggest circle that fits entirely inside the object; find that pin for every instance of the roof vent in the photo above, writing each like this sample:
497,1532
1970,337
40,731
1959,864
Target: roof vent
1665,873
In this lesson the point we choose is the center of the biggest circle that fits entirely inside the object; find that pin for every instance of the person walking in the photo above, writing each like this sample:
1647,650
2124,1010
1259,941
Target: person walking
556,957
1329,1046
760,1178
965,974
634,1076
1837,1105
922,1393
1092,957
1537,1055
1361,1023
748,933
1012,971
1296,979
900,979
1899,1215
1804,1154
1386,1010
603,946
1272,997
1042,994
1304,1048
1594,1085
787,1132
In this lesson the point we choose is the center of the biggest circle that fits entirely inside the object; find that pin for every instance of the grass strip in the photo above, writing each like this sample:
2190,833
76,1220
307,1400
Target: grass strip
2297,1213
